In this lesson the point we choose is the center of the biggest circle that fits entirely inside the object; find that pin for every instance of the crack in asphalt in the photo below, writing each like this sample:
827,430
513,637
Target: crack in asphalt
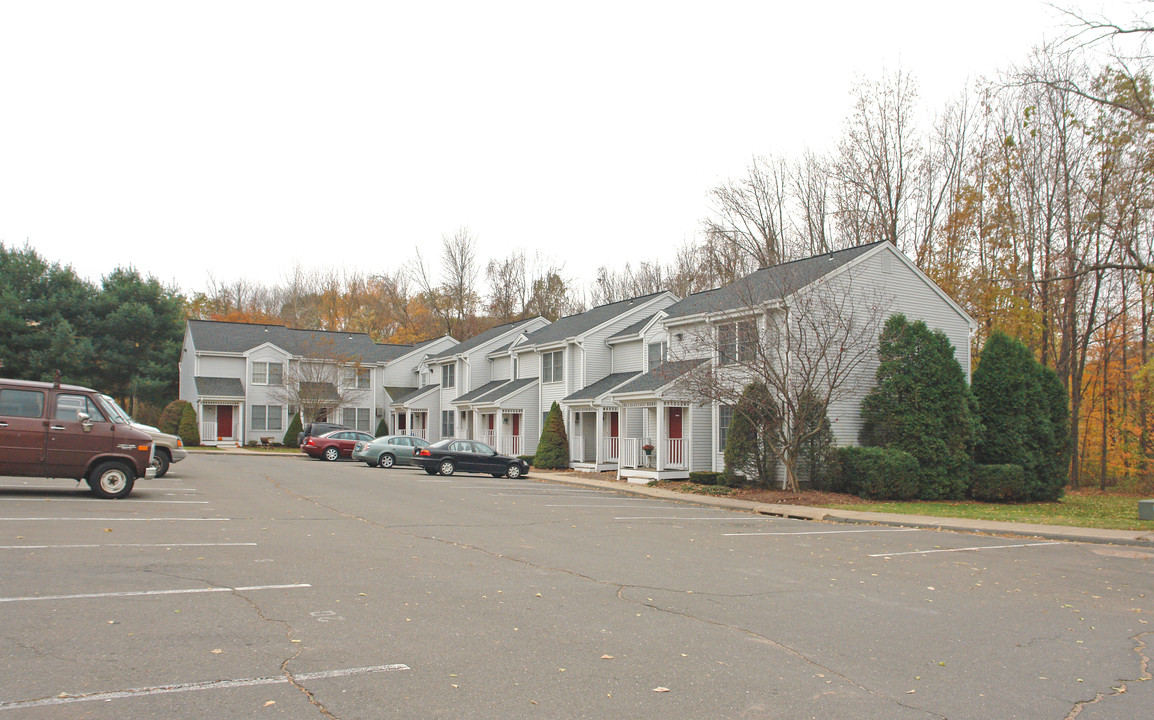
1143,675
620,590
289,676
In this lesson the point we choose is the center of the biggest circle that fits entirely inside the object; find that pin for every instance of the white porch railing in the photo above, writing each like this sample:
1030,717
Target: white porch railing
489,438
511,445
208,431
612,449
415,432
675,456
630,456
577,448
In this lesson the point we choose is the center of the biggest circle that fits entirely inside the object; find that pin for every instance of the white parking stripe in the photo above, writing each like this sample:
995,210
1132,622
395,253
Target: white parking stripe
964,549
206,685
141,593
104,545
122,519
827,532
127,501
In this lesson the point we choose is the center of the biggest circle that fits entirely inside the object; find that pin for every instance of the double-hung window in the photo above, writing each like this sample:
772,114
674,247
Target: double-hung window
447,423
449,375
737,342
267,373
362,378
724,418
553,366
266,417
356,418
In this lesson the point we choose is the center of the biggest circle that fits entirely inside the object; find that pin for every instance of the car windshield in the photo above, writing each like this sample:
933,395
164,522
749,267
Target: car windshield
115,412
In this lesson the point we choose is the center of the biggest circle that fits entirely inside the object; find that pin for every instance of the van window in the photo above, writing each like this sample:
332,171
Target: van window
68,407
22,403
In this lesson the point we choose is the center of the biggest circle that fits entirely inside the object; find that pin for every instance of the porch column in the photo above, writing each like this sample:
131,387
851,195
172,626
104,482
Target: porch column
687,448
497,423
598,444
659,439
408,421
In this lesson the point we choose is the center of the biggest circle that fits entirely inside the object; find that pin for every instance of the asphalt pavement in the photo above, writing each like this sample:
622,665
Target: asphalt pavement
804,512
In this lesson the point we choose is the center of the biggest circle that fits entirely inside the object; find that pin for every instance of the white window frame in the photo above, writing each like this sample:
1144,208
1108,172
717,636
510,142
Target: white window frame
448,428
737,341
261,373
553,368
449,375
662,354
265,413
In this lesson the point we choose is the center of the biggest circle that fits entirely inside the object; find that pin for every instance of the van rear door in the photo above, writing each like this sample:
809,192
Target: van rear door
71,442
23,431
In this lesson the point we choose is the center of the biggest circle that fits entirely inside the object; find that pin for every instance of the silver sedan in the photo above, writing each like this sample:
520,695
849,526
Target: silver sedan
388,450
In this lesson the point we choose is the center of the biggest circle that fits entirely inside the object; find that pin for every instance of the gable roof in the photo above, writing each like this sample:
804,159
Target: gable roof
233,337
767,284
660,376
634,329
574,325
413,394
505,390
219,387
478,340
602,386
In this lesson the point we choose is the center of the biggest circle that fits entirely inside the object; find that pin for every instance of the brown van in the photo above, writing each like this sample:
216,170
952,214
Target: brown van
64,431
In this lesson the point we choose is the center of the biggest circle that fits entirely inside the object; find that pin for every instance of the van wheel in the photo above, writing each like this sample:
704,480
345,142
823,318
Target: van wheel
161,462
111,480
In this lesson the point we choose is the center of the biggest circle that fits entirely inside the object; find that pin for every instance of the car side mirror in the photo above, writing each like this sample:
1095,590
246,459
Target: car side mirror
85,421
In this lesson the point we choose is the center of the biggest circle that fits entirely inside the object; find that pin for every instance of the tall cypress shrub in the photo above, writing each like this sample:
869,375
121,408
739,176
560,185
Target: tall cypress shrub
747,449
382,428
170,417
189,432
1023,410
922,405
294,429
553,448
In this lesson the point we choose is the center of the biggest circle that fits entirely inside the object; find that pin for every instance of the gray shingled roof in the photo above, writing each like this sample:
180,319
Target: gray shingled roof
659,376
602,386
766,284
413,394
478,340
215,336
219,387
633,329
483,390
505,390
574,325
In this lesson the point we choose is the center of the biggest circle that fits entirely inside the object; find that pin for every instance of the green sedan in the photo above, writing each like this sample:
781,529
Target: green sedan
388,450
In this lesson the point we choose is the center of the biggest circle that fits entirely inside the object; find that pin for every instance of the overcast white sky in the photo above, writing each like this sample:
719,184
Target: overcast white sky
240,138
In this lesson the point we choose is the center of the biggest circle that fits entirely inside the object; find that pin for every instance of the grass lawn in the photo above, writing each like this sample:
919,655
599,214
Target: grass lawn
1079,508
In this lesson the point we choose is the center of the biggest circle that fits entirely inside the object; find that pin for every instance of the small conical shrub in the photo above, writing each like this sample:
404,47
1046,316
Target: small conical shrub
170,417
188,430
294,429
382,428
553,449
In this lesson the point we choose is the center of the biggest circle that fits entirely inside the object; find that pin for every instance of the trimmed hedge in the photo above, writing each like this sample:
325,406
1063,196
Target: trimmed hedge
706,477
188,431
1000,483
170,417
877,473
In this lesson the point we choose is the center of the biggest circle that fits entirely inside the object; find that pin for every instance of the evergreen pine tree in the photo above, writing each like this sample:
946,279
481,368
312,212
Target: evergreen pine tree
922,405
294,429
382,428
1024,419
553,449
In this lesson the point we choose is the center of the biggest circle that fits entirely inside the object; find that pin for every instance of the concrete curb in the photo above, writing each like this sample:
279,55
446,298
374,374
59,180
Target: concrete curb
985,527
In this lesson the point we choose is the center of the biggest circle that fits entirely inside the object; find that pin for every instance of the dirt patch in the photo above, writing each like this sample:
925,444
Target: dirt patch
812,498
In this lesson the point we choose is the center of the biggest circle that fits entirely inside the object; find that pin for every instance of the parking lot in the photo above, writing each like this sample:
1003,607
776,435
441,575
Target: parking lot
243,586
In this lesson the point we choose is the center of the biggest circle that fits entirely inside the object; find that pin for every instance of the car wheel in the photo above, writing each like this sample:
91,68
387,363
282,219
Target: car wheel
111,480
430,471
513,472
331,453
386,461
447,467
161,462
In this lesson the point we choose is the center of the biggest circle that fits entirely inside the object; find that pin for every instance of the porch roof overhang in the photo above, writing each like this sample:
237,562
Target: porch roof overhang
654,384
468,398
595,394
495,399
219,388
402,403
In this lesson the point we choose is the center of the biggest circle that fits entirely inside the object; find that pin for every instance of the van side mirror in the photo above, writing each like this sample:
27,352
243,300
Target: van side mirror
85,421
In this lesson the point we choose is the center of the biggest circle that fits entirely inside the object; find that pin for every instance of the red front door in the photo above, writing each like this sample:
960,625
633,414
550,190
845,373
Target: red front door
516,425
224,421
675,423
613,424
